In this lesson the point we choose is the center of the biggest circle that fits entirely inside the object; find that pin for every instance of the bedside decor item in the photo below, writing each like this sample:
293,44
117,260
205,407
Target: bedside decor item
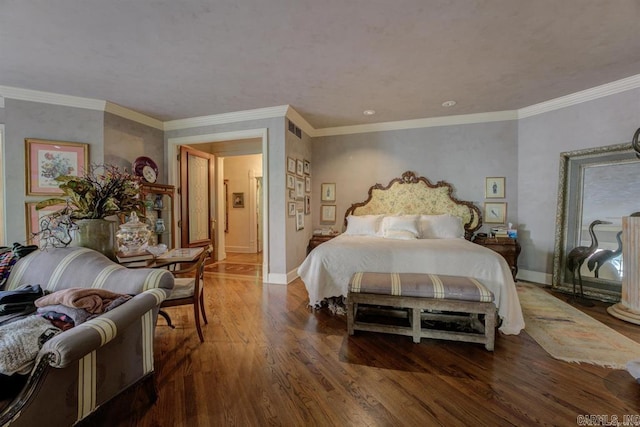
102,191
47,160
328,192
146,169
494,187
495,213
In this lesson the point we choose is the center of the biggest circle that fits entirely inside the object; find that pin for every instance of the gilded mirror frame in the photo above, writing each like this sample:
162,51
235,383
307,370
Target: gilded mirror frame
569,214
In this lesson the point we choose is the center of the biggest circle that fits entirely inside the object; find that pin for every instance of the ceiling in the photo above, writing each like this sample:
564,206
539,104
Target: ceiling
329,59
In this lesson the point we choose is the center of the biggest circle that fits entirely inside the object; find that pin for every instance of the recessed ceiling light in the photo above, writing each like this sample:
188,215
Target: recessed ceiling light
448,104
369,112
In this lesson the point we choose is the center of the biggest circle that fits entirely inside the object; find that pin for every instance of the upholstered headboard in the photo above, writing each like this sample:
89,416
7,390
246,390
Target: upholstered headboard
411,195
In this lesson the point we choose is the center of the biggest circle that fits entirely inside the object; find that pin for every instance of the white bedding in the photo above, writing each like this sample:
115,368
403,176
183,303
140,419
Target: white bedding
328,268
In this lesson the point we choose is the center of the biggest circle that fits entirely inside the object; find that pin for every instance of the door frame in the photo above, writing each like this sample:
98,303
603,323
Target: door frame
173,145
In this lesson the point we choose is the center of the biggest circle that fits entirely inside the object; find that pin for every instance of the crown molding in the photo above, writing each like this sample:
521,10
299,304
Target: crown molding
497,116
51,98
590,94
238,116
300,121
132,115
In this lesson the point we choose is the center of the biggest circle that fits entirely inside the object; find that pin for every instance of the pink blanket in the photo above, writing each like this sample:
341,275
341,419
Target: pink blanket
93,300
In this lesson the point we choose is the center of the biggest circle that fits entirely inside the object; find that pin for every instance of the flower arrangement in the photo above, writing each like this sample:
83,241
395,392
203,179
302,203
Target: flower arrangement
102,191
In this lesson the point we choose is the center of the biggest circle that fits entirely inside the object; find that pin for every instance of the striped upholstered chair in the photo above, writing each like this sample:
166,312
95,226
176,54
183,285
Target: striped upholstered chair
84,367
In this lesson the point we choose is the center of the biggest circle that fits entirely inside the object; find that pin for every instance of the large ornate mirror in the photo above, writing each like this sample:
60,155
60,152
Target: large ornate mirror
595,184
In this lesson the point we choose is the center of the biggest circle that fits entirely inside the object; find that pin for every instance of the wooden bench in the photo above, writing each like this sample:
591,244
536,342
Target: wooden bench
423,298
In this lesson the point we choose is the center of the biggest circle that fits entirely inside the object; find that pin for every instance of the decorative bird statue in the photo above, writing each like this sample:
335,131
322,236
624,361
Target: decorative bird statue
600,258
579,254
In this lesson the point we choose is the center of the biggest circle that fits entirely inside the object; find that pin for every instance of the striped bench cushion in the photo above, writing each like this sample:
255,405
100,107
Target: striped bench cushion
435,286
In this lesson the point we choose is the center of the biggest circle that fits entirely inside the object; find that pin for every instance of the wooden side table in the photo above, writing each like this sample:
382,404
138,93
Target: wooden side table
317,239
505,246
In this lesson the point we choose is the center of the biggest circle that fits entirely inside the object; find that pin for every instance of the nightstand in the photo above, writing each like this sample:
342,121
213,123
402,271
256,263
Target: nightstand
505,246
319,238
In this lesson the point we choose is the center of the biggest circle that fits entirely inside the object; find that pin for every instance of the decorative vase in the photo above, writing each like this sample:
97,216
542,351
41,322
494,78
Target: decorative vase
133,234
97,234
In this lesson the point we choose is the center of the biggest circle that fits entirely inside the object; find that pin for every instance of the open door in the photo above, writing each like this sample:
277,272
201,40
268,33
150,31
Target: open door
196,172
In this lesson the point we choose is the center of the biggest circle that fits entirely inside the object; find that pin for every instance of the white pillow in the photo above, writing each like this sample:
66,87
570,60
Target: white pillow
406,223
399,235
445,226
363,225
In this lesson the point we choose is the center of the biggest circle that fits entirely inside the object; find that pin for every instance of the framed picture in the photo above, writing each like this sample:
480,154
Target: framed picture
307,184
292,193
291,165
46,160
495,212
328,192
307,205
291,210
291,182
34,217
299,220
238,200
299,167
494,187
307,167
299,189
328,213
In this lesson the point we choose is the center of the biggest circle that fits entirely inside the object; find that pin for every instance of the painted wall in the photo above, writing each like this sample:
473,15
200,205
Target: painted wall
25,119
541,139
463,155
125,140
242,236
297,240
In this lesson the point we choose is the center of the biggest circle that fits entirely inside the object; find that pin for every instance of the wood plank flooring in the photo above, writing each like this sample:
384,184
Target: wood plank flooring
269,360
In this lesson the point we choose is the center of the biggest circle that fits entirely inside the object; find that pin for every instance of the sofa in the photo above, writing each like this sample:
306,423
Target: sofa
80,369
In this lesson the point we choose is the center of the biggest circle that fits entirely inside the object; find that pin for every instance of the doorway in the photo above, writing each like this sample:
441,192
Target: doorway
223,145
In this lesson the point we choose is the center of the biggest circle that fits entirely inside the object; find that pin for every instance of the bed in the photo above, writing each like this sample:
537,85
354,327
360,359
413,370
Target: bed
413,226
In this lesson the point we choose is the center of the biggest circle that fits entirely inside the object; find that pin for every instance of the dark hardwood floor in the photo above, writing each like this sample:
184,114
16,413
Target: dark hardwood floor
269,360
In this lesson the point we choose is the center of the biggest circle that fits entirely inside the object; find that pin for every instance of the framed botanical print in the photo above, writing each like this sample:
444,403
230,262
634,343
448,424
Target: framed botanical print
291,165
291,210
328,213
291,182
495,212
307,167
299,220
494,187
307,205
34,220
299,167
299,189
307,184
46,160
328,192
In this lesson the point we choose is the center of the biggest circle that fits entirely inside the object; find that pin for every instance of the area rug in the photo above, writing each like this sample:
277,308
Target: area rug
568,334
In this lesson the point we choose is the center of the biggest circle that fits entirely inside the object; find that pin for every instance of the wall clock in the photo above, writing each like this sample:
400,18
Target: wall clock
146,168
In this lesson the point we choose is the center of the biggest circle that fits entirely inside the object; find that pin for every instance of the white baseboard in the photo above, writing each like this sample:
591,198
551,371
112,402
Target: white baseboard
535,277
240,249
277,279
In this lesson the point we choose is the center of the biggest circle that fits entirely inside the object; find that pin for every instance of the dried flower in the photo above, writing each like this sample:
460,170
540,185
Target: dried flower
102,191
